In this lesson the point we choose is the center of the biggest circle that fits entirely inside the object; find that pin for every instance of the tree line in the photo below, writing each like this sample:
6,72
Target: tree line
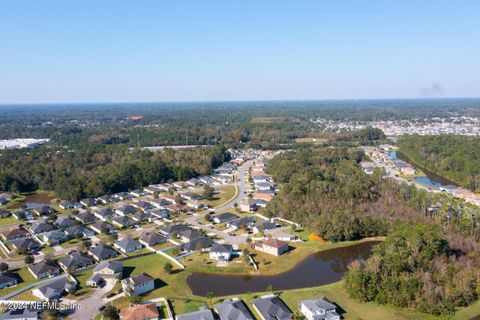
94,170
434,269
454,157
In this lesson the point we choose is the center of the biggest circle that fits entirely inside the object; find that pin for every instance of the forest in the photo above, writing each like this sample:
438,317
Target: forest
454,157
94,170
326,190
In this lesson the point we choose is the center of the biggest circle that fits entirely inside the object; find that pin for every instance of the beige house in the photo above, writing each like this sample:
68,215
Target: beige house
272,246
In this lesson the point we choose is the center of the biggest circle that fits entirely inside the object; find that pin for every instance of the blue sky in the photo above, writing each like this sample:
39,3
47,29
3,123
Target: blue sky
152,50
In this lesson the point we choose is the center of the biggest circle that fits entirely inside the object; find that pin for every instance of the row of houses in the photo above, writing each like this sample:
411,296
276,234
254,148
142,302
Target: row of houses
269,307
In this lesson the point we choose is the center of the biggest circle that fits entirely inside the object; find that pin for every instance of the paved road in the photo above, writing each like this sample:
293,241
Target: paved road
89,306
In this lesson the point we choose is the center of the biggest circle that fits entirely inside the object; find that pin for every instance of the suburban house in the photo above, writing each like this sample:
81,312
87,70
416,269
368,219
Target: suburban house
105,199
7,280
102,252
102,227
22,214
88,202
242,223
224,217
5,213
160,213
26,245
174,230
319,309
272,246
260,178
197,244
104,214
126,209
40,228
43,269
109,268
65,222
138,193
263,226
54,237
143,216
123,222
128,245
15,233
189,235
193,182
202,314
152,189
142,205
43,211
248,206
140,312
264,186
75,261
280,234
21,314
221,251
56,289
86,217
122,196
270,307
138,284
232,309
66,205
263,196
79,231
152,239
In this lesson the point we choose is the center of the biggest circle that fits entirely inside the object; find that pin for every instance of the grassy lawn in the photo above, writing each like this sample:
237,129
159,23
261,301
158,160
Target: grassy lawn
226,193
9,221
24,278
82,277
173,286
71,243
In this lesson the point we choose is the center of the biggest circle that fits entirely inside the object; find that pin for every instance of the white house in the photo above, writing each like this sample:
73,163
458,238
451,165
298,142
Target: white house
138,284
221,252
318,309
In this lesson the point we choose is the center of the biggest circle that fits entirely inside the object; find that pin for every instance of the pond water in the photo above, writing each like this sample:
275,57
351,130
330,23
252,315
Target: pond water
33,200
317,269
431,179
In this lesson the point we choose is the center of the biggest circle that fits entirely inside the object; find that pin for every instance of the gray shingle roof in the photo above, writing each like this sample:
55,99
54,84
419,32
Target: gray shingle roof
272,308
231,309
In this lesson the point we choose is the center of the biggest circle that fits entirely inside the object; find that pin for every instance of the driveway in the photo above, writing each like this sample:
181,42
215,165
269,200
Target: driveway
89,306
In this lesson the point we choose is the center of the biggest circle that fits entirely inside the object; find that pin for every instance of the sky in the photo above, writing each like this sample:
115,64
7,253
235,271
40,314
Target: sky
214,50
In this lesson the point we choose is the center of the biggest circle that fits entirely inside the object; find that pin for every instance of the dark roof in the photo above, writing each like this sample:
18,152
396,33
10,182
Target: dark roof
54,290
65,222
226,216
242,221
231,309
191,234
116,266
26,243
100,225
153,239
272,308
128,243
73,231
7,277
44,266
199,243
224,248
41,227
86,217
176,228
141,278
102,251
24,313
76,260
125,221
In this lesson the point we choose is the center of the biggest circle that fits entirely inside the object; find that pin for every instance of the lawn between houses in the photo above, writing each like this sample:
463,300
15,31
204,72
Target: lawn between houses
173,286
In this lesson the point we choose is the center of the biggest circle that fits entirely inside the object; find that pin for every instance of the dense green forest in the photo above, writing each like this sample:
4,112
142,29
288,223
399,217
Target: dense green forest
454,157
93,170
416,268
264,124
326,189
